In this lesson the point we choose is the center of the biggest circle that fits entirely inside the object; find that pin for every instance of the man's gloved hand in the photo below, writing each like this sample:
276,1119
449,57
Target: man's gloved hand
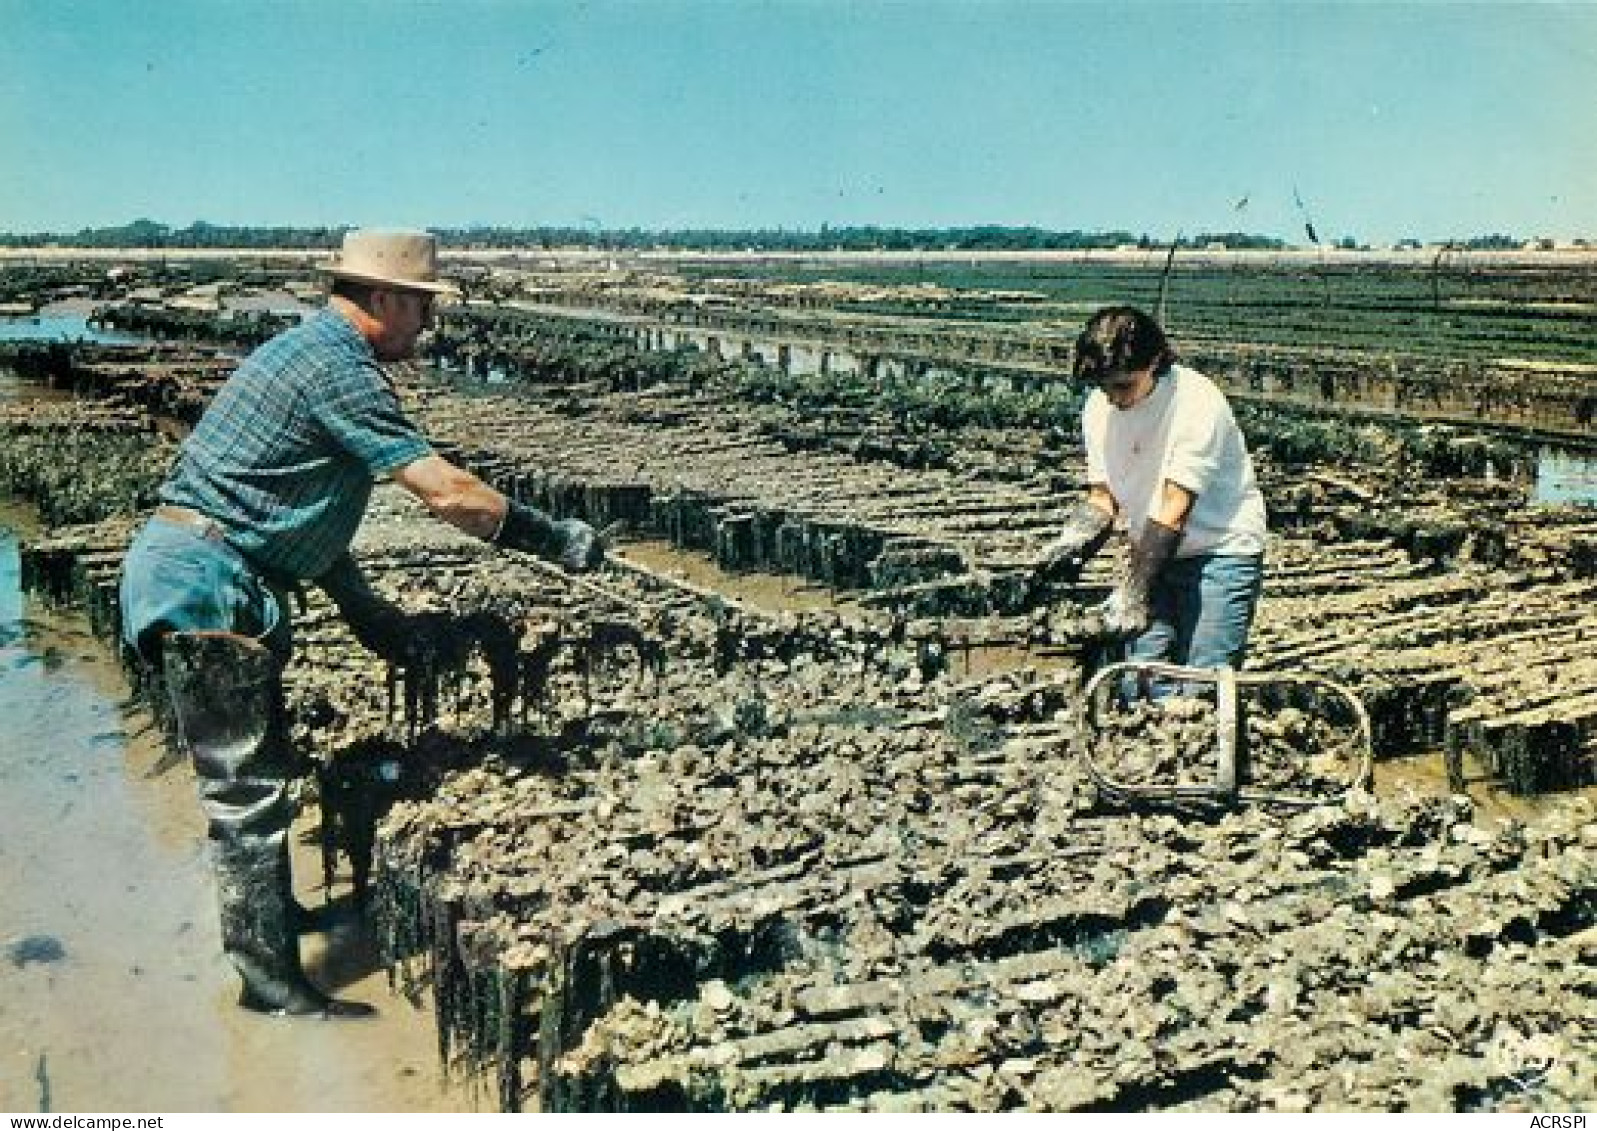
432,640
406,640
1086,530
389,632
381,629
570,542
380,625
583,548
1128,610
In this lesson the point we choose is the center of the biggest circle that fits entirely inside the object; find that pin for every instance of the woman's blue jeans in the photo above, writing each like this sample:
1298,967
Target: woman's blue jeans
1202,610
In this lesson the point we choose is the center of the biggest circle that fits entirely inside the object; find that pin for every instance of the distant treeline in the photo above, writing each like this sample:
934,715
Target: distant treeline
982,237
985,237
149,233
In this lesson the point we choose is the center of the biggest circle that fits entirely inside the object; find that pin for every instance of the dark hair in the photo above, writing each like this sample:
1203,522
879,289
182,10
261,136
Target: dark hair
1120,338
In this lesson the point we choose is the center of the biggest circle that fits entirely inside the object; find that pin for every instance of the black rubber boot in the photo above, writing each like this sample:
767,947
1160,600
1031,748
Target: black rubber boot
227,706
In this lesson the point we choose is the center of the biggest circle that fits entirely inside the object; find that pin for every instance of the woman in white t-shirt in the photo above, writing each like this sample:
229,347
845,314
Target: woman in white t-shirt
1166,460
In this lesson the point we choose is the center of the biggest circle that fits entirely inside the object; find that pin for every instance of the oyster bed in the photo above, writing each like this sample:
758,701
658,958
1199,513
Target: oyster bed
650,846
1423,599
823,873
836,880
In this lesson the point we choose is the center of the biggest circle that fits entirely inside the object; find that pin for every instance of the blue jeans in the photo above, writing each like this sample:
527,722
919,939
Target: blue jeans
1202,609
174,579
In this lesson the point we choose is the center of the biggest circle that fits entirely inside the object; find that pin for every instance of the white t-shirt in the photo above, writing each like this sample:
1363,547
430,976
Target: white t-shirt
1182,431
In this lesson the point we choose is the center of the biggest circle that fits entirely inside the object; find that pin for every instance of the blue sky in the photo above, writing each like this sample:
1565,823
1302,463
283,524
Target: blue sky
1429,120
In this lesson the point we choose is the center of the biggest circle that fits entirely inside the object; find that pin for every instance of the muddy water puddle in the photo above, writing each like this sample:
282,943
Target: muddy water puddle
1426,773
60,323
769,593
114,994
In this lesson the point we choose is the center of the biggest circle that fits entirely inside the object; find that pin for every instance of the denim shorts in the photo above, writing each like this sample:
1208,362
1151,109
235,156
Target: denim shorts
1202,610
175,579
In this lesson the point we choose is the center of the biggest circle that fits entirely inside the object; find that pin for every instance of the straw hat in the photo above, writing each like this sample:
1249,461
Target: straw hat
403,260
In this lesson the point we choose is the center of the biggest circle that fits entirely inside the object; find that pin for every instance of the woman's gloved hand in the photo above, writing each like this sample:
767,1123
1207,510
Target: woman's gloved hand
1085,531
1128,611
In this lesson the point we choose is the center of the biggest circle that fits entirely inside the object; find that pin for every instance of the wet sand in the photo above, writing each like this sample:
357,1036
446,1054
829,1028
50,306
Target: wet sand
114,995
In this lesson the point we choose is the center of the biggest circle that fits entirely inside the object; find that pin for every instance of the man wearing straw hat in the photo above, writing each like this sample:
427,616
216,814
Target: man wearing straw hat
267,493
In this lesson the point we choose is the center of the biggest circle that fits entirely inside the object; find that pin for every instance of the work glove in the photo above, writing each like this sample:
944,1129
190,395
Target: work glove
381,626
1128,610
382,629
570,542
377,622
406,640
426,641
1087,528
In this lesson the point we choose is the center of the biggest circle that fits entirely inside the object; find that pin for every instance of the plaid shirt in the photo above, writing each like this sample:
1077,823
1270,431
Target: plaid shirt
284,458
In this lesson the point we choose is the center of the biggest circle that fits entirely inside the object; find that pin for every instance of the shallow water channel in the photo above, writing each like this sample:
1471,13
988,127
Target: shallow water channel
1566,476
64,325
114,995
